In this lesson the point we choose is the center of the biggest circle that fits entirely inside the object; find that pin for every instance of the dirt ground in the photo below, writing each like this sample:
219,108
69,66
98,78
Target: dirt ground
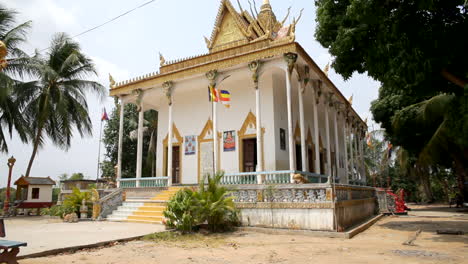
382,243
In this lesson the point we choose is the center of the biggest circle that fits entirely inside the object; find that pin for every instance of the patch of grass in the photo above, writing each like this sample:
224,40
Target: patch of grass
192,240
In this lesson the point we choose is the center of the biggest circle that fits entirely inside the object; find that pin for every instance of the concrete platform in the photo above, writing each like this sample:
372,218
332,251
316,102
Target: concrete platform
44,234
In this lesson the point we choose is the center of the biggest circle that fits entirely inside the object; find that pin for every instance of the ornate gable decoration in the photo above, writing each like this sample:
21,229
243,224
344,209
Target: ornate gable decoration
249,127
176,138
207,132
229,27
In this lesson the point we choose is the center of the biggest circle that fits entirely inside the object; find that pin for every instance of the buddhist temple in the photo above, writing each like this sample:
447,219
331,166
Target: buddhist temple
285,114
256,106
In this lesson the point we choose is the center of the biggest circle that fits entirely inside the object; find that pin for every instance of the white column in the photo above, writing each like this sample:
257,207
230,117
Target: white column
363,164
356,155
316,135
292,163
337,146
215,138
259,133
169,145
119,153
139,146
168,90
305,164
351,151
327,136
346,165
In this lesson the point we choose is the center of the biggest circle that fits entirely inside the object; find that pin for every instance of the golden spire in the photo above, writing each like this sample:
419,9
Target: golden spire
266,2
350,100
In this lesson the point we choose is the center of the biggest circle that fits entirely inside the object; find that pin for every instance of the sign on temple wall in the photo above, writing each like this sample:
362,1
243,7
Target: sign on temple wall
189,145
229,140
206,158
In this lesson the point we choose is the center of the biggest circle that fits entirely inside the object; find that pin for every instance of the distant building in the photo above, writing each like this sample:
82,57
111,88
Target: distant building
84,185
34,192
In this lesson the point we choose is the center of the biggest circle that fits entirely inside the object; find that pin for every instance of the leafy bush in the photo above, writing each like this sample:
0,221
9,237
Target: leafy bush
58,210
71,204
210,204
217,207
182,211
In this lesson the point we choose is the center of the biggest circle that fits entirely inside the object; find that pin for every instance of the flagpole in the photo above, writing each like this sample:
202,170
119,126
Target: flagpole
99,152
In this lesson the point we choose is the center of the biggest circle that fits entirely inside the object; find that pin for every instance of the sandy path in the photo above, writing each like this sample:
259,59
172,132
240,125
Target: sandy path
382,243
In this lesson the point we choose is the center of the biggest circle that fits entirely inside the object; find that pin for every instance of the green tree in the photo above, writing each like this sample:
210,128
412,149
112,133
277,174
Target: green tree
77,176
12,97
415,50
111,141
58,105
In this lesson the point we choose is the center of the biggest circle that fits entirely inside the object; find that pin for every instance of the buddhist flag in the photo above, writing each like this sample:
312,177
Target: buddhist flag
212,94
225,97
104,117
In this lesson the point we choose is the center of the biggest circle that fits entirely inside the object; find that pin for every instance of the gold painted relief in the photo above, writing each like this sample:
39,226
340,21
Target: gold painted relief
228,31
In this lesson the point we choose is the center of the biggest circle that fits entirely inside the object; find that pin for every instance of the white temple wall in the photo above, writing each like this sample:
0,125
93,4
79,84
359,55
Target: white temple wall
191,111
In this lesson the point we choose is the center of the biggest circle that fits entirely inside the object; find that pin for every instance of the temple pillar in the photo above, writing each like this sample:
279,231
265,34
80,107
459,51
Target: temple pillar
119,152
211,76
139,141
327,136
300,90
315,102
345,148
351,151
337,146
291,59
356,154
254,67
167,88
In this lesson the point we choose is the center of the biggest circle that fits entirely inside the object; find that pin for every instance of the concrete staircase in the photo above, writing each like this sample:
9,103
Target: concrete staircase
143,209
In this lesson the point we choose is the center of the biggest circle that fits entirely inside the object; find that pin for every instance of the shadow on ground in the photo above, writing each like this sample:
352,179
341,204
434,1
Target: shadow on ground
429,226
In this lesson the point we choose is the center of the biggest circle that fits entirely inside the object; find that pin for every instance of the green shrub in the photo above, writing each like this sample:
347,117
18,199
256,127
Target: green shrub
58,210
217,207
71,204
182,212
210,204
75,199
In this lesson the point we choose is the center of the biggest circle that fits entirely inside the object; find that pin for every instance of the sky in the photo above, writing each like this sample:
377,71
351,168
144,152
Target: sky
129,47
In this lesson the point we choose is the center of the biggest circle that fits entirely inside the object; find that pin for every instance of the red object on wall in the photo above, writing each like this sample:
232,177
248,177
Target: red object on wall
399,198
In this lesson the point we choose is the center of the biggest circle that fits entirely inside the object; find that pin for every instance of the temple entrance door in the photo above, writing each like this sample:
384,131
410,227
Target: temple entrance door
249,152
311,160
322,163
298,158
175,165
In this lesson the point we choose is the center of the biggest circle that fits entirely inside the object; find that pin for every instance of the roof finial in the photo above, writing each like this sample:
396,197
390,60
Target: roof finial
266,2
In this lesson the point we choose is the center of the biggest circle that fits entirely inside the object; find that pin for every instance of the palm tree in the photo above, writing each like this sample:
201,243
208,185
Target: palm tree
58,101
443,118
12,98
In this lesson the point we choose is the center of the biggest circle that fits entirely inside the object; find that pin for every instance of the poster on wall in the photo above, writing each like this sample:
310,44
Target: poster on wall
189,146
229,140
282,139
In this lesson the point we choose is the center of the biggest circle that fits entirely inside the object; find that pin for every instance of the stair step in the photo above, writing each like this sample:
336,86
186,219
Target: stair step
148,213
146,218
151,209
144,221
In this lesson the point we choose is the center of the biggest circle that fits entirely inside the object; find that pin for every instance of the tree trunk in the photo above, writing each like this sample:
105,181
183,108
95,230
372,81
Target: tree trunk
424,178
461,173
33,155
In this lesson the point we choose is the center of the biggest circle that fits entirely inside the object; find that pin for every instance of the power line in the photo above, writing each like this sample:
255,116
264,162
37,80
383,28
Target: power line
108,21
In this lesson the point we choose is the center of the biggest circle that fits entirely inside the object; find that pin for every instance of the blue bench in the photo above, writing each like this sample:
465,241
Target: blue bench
10,249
